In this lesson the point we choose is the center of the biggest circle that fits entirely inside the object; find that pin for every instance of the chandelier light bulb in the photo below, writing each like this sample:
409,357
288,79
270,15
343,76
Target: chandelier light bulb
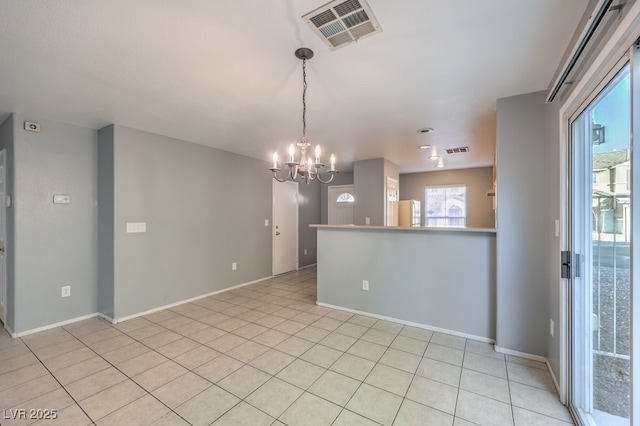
317,154
332,160
292,153
440,163
434,154
275,160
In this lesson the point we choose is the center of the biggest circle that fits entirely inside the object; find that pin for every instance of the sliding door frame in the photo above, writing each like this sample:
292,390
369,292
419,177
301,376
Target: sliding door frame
583,91
579,197
608,62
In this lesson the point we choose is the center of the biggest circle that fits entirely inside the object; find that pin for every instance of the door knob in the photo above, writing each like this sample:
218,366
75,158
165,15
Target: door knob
277,233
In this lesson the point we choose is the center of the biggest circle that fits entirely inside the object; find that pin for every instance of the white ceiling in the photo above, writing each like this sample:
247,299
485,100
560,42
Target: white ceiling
222,73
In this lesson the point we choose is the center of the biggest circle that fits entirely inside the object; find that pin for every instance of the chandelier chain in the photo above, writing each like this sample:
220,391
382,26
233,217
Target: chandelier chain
304,98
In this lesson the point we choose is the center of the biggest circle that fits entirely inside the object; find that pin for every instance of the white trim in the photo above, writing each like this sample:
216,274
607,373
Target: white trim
3,231
520,354
171,305
10,331
412,324
118,320
308,266
555,380
50,326
106,318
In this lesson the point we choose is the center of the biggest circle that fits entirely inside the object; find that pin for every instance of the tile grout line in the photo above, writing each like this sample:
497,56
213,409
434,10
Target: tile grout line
58,381
235,303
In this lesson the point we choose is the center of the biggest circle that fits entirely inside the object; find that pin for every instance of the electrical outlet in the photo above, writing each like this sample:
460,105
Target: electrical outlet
234,266
551,327
305,252
65,291
367,221
266,222
365,285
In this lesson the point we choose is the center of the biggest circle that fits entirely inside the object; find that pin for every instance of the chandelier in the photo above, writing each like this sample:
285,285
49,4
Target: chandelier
307,168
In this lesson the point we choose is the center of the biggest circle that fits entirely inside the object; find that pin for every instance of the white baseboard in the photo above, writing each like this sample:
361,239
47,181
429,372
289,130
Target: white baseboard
117,320
553,377
308,266
50,326
412,324
520,354
106,318
171,305
11,333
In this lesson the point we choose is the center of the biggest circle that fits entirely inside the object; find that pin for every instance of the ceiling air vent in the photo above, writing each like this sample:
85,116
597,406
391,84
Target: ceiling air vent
458,150
340,23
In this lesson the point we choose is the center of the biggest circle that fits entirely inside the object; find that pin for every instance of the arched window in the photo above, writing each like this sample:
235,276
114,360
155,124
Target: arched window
345,197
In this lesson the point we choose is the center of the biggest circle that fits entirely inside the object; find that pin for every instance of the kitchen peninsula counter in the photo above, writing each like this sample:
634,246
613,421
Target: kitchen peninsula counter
437,278
406,228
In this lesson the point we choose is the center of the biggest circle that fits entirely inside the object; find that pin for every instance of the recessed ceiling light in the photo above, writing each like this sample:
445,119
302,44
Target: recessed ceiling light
425,130
424,146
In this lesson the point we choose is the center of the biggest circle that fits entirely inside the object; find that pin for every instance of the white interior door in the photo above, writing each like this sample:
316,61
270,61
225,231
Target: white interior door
341,201
3,290
285,227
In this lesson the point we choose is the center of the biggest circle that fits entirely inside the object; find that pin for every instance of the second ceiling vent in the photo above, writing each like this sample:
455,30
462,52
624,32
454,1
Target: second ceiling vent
340,23
458,150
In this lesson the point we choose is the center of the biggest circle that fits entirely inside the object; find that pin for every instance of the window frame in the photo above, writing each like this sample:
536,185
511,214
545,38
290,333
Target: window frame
446,218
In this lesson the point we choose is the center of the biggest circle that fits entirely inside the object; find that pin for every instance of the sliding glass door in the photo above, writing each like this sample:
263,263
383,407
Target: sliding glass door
600,256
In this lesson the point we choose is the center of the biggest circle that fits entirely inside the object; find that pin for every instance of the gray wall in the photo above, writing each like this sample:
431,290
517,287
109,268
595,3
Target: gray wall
522,269
308,213
368,188
414,276
338,179
7,143
106,250
55,245
204,209
390,170
479,180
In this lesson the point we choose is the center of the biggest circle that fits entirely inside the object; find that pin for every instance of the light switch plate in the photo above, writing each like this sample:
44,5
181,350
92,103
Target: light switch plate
61,199
136,227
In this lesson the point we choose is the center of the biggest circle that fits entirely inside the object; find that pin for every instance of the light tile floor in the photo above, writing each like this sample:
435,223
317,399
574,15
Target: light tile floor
266,354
